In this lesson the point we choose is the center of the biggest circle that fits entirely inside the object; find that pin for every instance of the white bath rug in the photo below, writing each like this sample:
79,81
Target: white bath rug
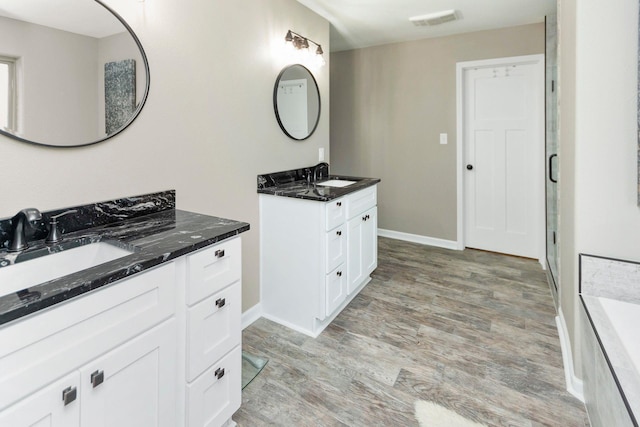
429,414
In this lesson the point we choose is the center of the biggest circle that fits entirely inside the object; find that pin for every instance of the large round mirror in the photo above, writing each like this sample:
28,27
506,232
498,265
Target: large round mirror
72,72
296,101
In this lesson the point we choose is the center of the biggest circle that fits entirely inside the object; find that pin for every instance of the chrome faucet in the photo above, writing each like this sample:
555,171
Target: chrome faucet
18,223
317,171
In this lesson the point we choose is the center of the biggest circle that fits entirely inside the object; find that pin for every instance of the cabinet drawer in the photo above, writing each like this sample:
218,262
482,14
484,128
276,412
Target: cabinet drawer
336,212
213,328
336,289
336,244
212,269
215,396
36,349
361,200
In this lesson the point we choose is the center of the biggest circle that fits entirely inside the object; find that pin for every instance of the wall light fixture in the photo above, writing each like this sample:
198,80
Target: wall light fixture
301,43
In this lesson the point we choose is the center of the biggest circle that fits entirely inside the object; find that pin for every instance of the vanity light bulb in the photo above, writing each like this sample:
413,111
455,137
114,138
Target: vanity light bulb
319,61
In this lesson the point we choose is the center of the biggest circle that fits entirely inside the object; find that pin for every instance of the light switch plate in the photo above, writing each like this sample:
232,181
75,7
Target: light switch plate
321,154
443,138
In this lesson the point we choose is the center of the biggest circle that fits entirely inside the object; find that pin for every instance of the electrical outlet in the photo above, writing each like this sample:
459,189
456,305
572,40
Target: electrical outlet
443,138
321,154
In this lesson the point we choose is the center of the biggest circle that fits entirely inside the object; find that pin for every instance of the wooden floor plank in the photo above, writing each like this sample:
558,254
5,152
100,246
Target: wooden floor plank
470,330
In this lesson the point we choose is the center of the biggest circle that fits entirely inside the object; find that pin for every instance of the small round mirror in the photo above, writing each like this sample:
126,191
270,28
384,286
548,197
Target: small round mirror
296,101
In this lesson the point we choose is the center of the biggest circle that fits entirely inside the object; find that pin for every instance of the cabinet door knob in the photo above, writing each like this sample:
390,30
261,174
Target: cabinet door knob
364,218
219,373
97,378
339,204
219,253
339,273
69,394
339,233
220,302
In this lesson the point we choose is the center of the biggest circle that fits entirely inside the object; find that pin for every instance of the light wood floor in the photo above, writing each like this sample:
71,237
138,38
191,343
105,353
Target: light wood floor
470,330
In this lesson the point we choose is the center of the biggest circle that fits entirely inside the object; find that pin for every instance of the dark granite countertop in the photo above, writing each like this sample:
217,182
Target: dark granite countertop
155,238
294,183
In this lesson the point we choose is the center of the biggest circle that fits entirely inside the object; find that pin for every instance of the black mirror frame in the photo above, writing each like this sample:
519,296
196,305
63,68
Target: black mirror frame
135,113
275,102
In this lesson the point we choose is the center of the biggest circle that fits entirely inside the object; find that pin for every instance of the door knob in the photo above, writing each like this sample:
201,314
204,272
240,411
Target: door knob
469,167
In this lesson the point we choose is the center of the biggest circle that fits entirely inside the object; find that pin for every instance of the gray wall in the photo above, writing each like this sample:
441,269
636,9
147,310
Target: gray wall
207,129
388,106
64,67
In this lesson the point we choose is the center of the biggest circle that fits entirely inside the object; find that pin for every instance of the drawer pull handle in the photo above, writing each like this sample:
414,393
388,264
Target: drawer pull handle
220,302
339,233
69,394
219,373
339,204
364,218
219,253
97,378
339,273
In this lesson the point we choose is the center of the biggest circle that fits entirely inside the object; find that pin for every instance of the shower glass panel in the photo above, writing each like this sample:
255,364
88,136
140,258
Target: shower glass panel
552,148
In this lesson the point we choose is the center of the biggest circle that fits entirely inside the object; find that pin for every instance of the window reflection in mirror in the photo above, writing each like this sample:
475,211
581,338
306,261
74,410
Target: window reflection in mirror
7,96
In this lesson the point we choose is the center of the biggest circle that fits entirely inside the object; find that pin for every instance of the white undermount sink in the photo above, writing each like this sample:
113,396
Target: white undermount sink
336,183
29,273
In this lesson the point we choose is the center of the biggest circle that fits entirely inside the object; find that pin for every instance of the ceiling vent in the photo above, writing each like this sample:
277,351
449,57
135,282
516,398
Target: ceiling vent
435,18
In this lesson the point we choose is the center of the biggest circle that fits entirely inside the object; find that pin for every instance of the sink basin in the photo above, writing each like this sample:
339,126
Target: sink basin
25,274
336,183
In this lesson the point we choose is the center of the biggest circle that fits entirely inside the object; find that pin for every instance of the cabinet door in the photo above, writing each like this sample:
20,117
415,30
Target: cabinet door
56,405
370,241
362,256
133,385
336,289
355,273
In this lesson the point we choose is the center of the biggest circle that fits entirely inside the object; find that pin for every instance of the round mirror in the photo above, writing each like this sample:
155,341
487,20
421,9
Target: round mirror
72,72
296,101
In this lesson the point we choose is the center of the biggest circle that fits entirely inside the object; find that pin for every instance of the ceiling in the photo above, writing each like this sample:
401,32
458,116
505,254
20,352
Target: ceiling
362,23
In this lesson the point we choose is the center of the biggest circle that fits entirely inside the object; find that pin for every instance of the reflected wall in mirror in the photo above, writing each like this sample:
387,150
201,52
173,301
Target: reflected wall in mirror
296,101
53,59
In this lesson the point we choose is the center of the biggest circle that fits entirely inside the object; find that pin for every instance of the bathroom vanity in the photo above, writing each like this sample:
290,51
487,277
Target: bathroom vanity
318,245
150,338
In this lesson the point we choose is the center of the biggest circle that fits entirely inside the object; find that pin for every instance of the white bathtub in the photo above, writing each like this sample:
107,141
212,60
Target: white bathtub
625,319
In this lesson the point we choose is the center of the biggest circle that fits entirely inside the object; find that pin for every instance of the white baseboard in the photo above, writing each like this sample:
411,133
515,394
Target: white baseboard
290,325
251,315
575,386
416,238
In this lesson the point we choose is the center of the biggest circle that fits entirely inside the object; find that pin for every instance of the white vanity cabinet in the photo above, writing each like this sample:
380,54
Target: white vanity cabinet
161,348
315,256
107,358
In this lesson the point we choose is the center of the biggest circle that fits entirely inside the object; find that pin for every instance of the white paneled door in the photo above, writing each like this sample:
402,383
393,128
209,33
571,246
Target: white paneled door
502,115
